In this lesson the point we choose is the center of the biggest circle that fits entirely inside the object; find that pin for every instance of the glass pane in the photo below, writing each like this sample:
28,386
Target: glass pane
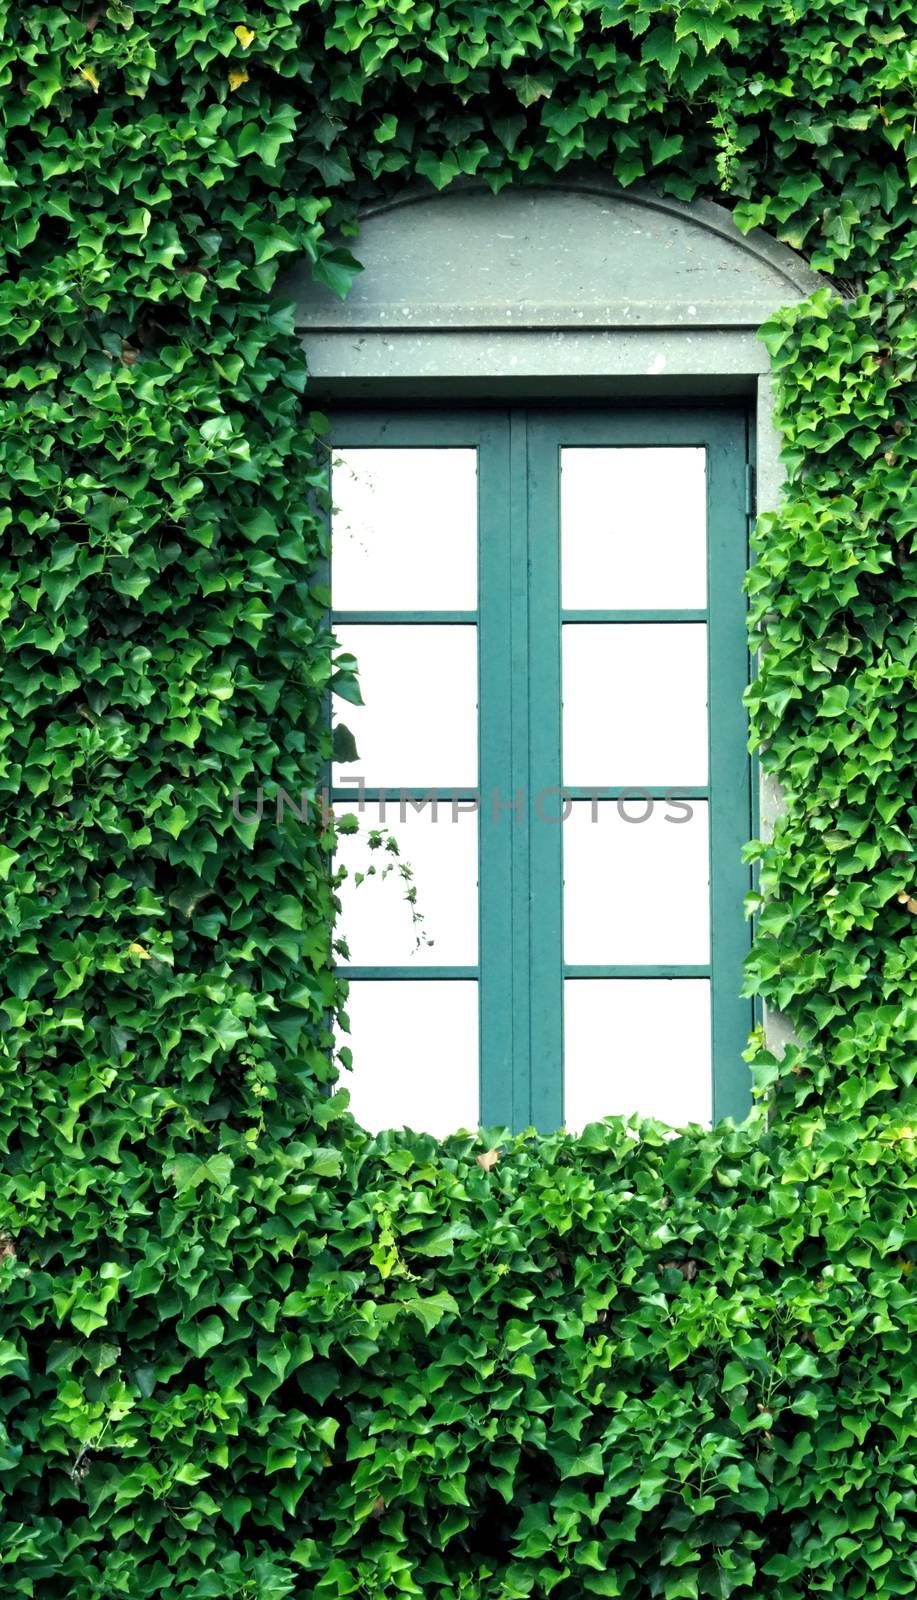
404,530
635,703
634,525
415,1054
637,1044
418,724
637,883
437,859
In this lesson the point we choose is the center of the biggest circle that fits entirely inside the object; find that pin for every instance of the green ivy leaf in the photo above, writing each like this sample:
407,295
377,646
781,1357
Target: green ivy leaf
344,745
200,1336
336,269
660,45
430,1309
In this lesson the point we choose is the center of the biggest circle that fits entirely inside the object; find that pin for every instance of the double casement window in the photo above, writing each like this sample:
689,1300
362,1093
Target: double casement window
547,612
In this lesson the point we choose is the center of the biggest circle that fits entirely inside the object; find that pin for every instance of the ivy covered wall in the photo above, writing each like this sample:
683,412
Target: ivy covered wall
245,1349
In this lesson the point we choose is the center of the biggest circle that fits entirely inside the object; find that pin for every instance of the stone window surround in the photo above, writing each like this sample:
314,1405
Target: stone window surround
569,318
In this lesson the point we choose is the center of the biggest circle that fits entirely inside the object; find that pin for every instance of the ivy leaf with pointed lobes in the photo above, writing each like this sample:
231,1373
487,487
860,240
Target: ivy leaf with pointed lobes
661,45
708,28
200,1336
189,1172
529,87
431,1309
834,701
344,745
439,169
336,268
345,685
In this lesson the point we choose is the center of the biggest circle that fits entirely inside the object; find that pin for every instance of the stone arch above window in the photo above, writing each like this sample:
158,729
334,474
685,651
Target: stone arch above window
561,257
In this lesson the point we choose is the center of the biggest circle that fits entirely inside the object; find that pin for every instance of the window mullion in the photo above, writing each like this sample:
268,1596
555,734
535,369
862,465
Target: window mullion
544,779
731,823
498,892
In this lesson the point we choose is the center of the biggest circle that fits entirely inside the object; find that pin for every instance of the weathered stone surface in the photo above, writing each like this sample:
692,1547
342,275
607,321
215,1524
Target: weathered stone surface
581,256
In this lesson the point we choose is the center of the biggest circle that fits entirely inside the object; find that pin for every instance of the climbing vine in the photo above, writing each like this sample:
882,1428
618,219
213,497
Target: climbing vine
247,1350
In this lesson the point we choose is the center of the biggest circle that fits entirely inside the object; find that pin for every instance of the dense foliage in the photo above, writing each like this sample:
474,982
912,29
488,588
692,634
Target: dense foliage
245,1349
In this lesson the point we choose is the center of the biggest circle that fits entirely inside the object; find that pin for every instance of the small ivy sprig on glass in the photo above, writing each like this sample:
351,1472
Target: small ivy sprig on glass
382,840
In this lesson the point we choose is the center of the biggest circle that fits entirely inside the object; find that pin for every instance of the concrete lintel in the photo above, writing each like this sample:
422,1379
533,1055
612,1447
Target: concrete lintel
347,358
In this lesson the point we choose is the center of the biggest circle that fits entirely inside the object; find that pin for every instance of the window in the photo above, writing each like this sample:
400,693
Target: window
547,611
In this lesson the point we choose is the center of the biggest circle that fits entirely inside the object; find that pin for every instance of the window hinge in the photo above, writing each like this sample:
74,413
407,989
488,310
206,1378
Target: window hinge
751,491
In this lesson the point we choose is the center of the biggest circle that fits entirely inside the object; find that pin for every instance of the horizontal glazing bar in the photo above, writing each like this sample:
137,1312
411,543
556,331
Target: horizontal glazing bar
636,791
672,791
636,972
376,618
547,806
379,974
405,430
445,796
633,616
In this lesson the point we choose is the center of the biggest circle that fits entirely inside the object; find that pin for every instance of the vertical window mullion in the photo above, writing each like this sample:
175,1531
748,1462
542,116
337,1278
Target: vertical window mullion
501,1016
519,820
731,823
544,798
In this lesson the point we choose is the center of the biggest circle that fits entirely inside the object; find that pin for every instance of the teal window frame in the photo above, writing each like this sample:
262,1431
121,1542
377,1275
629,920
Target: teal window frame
519,618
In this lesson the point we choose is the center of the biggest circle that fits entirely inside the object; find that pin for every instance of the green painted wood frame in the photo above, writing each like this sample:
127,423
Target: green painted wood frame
521,971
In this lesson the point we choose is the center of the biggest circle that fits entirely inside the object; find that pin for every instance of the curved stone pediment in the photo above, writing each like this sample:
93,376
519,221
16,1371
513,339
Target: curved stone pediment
570,256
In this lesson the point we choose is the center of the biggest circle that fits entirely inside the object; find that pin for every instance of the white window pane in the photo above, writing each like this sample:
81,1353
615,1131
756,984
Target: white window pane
635,703
418,723
404,529
415,1054
439,847
637,885
637,1045
633,528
